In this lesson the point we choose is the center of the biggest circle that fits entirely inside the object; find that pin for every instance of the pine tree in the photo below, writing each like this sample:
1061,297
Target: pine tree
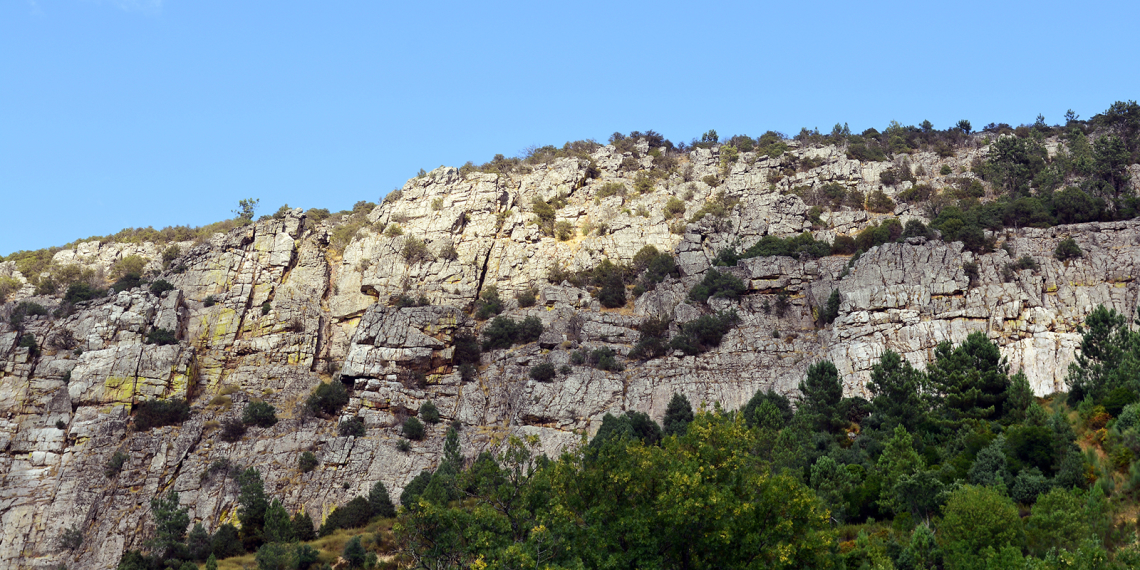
354,553
278,527
381,504
970,379
303,527
170,522
897,397
678,415
198,542
822,393
252,502
212,563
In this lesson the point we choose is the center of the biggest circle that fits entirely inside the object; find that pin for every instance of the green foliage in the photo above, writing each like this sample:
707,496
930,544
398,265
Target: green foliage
150,414
303,526
970,379
880,203
353,553
71,539
415,251
1109,357
226,542
273,556
704,333
8,286
170,522
1067,249
489,303
803,246
821,393
353,426
829,311
246,208
80,292
327,398
718,285
278,526
897,393
413,429
429,412
232,430
28,341
307,462
767,410
545,213
161,337
527,298
678,415
252,504
378,499
259,413
976,519
131,265
674,208
504,332
653,339
198,543
160,286
630,426
544,372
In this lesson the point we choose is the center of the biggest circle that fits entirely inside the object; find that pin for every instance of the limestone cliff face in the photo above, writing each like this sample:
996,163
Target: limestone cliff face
285,311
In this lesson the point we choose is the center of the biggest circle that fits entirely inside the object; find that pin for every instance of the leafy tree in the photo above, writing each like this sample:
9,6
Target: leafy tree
307,462
779,408
414,489
897,393
170,522
822,392
832,482
381,505
922,553
899,459
678,415
273,556
1067,249
630,426
278,526
544,372
971,379
976,518
246,209
354,553
500,333
991,467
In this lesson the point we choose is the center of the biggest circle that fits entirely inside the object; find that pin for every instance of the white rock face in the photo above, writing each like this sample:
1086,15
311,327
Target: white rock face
269,310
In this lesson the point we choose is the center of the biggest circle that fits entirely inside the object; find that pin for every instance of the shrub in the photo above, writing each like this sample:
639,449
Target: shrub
711,180
129,265
429,412
467,349
544,372
413,429
653,340
327,398
880,203
307,462
265,308
704,333
71,539
353,514
717,284
160,286
1067,249
353,426
232,430
393,230
8,285
115,463
489,303
28,341
415,251
157,413
674,208
642,184
945,170
830,311
499,334
260,414
528,330
527,298
79,292
161,337
611,189
605,358
403,445
448,252
210,301
563,230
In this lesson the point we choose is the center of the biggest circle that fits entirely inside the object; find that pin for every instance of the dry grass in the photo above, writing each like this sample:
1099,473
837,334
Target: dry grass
332,545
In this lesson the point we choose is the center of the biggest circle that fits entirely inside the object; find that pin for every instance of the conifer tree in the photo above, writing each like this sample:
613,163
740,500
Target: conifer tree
677,415
897,398
822,393
971,379
381,504
278,527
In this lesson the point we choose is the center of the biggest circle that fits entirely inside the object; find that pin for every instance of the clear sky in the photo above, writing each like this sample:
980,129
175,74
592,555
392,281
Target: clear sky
126,113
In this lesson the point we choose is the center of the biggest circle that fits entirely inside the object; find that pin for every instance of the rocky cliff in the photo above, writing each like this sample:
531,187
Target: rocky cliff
269,310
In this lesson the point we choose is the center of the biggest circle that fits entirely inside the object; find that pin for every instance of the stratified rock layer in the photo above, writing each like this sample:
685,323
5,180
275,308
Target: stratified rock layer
268,311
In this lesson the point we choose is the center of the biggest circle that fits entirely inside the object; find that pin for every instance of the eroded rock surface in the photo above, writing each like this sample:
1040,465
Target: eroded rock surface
269,310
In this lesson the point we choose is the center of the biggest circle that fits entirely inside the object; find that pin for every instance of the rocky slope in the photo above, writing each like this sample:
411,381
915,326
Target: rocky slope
289,311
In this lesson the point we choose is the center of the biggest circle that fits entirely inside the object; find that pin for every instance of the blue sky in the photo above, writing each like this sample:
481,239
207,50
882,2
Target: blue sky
125,113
